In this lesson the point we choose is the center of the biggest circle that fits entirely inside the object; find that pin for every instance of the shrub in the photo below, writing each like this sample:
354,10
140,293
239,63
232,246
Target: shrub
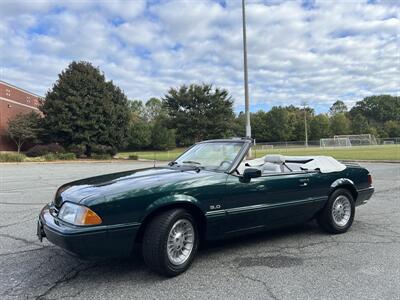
133,157
55,148
41,150
50,157
11,157
78,150
66,156
38,150
104,149
101,156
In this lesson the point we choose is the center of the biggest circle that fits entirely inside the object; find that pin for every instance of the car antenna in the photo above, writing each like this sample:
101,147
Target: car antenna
154,160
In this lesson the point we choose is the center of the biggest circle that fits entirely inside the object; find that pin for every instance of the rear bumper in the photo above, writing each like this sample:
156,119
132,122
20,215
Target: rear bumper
364,195
88,242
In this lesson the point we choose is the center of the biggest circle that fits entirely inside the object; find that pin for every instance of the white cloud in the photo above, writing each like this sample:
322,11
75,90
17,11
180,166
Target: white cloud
333,50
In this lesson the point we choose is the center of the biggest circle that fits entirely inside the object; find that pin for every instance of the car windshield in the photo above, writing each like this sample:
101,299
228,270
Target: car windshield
210,156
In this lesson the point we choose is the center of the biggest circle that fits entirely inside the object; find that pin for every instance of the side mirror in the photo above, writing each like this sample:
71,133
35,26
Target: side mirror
251,173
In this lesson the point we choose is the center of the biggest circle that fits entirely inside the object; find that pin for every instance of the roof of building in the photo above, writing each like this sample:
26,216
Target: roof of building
21,89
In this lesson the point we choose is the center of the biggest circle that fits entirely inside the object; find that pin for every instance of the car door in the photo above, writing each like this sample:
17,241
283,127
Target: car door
268,201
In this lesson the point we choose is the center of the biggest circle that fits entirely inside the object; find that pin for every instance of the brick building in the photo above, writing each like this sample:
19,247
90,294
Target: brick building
13,100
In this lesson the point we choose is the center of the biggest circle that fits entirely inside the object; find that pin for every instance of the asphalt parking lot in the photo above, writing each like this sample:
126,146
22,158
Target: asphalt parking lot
294,263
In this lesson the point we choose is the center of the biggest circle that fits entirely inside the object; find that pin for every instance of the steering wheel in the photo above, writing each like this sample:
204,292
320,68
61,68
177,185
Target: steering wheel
224,162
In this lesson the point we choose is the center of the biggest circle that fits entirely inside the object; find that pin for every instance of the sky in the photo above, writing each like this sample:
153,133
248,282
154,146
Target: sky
298,51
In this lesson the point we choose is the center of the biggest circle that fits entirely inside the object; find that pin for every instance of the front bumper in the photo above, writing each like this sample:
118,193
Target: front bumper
88,242
364,195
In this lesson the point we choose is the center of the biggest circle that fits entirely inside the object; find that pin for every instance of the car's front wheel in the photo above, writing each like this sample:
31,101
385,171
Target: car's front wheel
338,213
170,242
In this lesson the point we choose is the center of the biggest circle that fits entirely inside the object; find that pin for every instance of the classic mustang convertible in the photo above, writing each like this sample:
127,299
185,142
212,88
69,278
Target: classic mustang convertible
209,192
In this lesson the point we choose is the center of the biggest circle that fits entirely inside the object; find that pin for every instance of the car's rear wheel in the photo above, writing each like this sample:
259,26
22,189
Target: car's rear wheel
170,242
338,213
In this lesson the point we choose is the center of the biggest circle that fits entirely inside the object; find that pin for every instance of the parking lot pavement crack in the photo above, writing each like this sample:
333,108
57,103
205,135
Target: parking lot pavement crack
69,276
17,223
25,241
21,203
12,291
270,293
25,251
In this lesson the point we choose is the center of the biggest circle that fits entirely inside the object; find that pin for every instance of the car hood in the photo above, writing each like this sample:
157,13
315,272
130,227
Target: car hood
109,184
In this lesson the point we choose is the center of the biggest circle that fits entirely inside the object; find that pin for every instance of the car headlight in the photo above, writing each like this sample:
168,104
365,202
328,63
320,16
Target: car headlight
78,214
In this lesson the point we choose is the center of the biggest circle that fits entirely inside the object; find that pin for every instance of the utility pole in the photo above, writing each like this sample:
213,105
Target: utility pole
305,124
246,84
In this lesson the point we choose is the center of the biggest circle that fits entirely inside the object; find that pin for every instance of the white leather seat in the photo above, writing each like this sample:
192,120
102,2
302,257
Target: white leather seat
271,168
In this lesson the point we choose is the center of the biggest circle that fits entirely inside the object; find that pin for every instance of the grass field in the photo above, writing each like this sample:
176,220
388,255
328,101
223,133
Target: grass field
156,155
381,152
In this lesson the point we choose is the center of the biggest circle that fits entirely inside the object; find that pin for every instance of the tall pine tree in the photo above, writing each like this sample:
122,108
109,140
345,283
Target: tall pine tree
83,108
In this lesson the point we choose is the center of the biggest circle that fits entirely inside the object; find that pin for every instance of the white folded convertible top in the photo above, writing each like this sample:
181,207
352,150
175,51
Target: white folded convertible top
326,164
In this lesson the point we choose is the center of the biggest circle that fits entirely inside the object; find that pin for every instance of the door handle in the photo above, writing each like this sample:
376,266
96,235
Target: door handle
303,182
261,188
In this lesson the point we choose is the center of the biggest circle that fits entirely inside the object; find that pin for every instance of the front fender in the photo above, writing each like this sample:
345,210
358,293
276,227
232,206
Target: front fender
171,200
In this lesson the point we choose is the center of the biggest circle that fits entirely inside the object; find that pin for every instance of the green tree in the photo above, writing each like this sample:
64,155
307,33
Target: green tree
278,124
24,128
162,138
137,108
378,109
359,124
239,125
319,127
83,108
139,134
337,108
153,109
340,124
392,128
259,126
199,112
296,122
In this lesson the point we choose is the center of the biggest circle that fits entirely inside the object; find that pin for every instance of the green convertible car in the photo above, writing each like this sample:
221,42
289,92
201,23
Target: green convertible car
211,191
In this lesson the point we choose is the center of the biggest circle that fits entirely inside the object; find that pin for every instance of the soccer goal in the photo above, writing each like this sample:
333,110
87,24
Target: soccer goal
348,140
266,147
334,142
359,139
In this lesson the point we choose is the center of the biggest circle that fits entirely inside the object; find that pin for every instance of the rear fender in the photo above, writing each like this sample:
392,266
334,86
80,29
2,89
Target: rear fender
345,183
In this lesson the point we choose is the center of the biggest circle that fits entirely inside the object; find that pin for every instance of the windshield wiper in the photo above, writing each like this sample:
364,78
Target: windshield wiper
191,162
171,163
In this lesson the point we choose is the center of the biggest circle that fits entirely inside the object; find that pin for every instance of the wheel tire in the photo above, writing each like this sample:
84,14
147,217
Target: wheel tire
326,218
155,242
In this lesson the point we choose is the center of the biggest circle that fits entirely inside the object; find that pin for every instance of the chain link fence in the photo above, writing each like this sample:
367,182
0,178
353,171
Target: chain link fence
260,149
316,143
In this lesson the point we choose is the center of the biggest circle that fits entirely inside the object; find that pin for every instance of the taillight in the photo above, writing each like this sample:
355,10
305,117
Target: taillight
369,179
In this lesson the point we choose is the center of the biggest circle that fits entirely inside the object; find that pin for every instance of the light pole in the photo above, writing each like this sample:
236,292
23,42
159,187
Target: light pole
246,84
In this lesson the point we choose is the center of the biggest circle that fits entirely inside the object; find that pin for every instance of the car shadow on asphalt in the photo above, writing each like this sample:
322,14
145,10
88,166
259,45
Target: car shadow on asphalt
135,263
66,268
268,236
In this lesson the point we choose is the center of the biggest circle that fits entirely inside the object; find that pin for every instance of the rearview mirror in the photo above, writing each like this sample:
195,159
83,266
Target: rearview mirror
251,173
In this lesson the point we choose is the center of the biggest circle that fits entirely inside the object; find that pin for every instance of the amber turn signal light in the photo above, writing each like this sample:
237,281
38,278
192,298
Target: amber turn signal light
90,218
